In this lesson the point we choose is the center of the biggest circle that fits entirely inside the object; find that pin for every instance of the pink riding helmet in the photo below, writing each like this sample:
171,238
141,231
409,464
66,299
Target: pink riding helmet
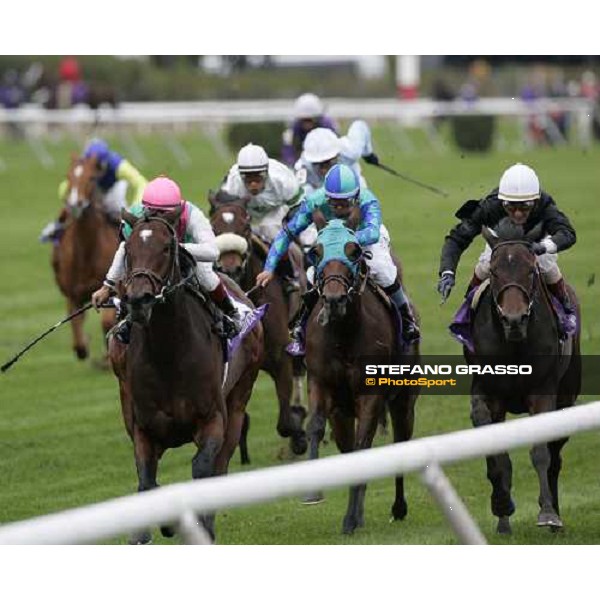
162,193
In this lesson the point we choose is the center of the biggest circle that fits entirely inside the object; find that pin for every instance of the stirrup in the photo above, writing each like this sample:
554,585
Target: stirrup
123,331
297,346
230,327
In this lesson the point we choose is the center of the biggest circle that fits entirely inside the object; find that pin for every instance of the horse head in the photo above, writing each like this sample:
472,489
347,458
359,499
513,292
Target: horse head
230,221
338,254
152,261
512,276
82,185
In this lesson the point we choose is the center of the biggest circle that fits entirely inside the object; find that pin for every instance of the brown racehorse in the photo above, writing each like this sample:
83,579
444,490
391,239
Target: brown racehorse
229,216
173,382
514,323
350,322
84,253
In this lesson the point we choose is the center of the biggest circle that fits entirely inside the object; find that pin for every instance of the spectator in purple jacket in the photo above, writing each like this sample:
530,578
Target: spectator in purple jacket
308,115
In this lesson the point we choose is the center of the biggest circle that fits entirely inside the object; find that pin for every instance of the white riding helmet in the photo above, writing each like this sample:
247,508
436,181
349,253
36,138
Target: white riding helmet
252,159
321,144
519,183
308,106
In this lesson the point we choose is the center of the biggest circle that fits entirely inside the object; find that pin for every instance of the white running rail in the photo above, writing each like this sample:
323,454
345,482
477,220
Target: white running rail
175,504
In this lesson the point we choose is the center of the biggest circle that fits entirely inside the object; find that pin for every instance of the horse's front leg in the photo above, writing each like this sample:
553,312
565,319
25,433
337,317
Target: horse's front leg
499,467
368,409
541,459
402,413
209,440
107,319
146,462
315,430
80,343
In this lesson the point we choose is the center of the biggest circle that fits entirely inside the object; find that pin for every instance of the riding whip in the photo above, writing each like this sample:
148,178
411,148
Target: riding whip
410,179
13,360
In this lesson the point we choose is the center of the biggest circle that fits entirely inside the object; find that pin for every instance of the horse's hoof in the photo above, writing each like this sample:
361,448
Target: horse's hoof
81,352
504,527
245,460
167,531
314,498
142,537
399,511
549,519
298,444
351,524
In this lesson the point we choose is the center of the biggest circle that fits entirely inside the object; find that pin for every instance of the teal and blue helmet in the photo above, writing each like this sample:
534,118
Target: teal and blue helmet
98,148
341,183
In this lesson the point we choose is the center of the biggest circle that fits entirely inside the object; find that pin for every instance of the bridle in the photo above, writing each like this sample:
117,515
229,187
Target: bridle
529,294
161,286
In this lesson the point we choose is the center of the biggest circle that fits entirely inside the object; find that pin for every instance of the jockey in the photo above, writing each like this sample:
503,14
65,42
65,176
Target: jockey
271,188
337,199
323,149
309,114
115,175
195,235
519,196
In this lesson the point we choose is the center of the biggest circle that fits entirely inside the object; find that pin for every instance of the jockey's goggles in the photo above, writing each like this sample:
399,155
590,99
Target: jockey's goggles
251,176
342,202
524,206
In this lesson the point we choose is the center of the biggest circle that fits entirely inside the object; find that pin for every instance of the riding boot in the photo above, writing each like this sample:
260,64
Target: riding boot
559,291
410,329
54,230
122,330
297,347
231,316
285,270
475,282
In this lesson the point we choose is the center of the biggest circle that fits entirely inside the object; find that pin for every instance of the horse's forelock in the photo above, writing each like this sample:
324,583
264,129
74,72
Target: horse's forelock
507,230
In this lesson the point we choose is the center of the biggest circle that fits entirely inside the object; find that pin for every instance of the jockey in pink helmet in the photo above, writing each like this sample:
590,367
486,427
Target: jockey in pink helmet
195,235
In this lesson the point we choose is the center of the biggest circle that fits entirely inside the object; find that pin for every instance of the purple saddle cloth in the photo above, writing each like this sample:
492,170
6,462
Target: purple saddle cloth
249,324
461,326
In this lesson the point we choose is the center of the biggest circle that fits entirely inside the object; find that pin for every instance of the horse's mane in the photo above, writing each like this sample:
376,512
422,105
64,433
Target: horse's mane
507,230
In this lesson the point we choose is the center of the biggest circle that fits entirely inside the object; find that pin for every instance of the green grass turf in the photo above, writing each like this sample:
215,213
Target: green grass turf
62,442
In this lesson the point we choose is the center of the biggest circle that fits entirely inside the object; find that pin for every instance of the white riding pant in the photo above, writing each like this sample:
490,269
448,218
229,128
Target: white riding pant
548,264
208,279
116,199
382,267
269,225
308,237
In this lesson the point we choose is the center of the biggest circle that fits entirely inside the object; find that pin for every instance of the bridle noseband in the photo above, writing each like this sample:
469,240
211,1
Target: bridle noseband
529,294
160,285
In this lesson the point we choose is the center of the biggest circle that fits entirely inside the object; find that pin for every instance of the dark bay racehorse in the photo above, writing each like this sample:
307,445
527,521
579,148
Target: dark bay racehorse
348,322
515,324
172,374
242,261
84,253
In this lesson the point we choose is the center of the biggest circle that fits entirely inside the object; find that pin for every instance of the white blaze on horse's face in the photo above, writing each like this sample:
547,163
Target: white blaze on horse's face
145,234
228,217
74,196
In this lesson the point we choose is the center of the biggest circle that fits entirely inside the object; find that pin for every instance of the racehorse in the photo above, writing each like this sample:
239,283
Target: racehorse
85,251
350,321
242,257
174,384
513,324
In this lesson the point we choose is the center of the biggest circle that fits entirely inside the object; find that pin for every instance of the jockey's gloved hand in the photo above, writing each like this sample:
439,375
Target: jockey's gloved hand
445,284
371,159
539,248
